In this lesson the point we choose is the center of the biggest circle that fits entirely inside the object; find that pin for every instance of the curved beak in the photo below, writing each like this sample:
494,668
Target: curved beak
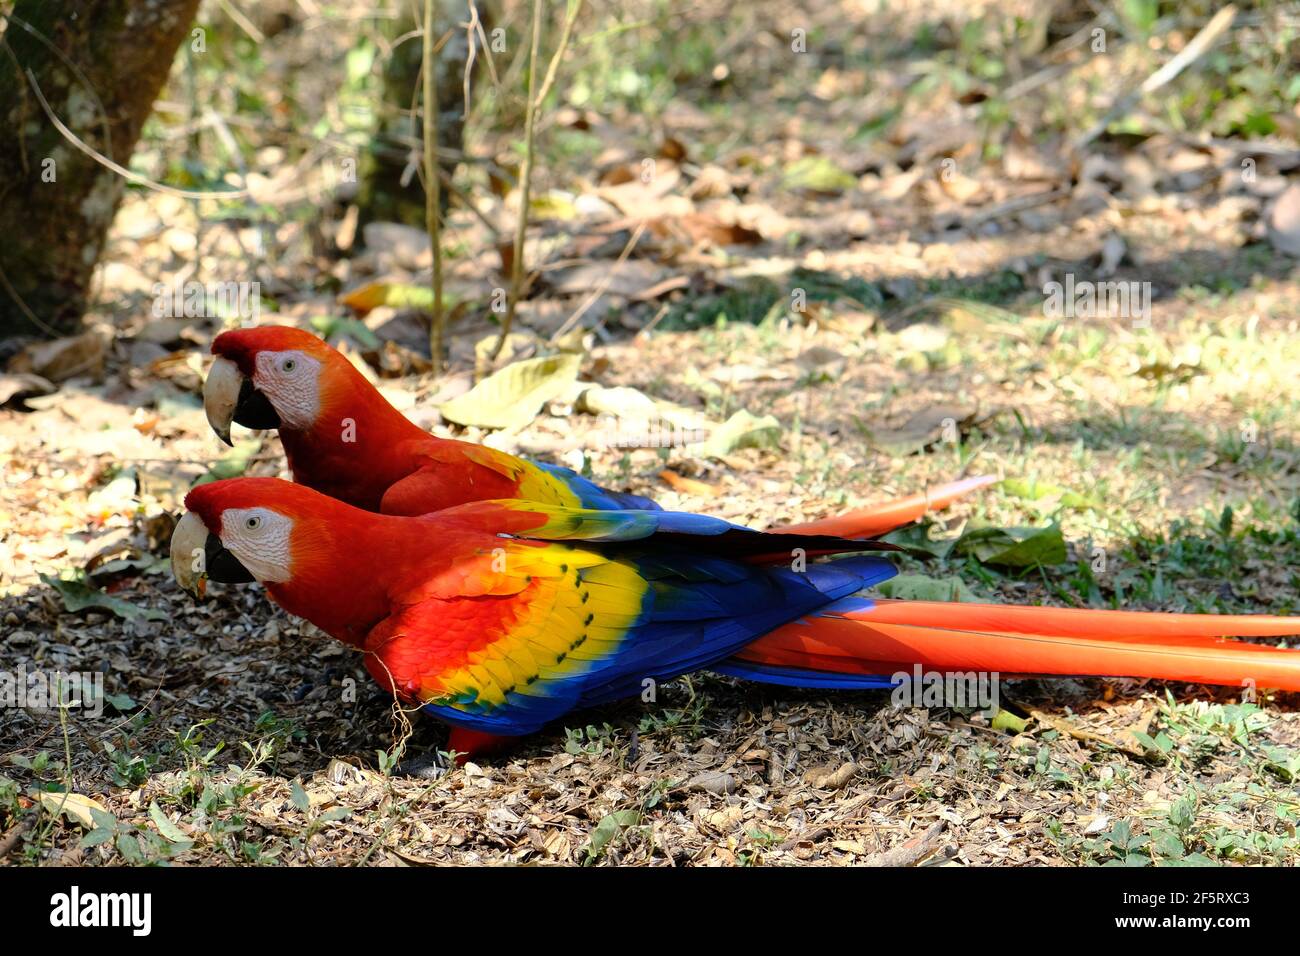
229,396
221,397
189,544
198,554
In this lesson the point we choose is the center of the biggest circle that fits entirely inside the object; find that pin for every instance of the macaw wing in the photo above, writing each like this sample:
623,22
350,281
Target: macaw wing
591,495
557,485
522,634
699,533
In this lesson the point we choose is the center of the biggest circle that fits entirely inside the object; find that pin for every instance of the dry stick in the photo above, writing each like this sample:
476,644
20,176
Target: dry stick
472,29
575,7
535,98
415,164
245,24
525,182
466,201
122,171
31,316
432,186
488,59
72,67
601,286
1194,50
1016,204
11,838
1052,72
471,53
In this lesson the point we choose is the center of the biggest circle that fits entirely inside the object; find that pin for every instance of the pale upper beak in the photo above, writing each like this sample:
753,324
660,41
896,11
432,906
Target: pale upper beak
229,396
199,555
221,397
189,543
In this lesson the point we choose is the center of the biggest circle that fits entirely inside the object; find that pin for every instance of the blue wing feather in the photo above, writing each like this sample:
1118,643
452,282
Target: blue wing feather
594,496
801,677
693,619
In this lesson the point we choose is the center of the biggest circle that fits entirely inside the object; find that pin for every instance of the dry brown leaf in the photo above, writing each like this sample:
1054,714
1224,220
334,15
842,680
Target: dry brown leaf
830,778
701,227
64,358
925,428
960,187
631,279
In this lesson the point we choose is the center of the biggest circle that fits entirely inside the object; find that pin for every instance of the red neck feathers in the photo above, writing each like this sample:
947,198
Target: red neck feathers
359,444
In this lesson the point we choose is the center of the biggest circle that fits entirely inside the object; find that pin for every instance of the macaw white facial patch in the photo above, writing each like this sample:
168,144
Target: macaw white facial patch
259,539
291,383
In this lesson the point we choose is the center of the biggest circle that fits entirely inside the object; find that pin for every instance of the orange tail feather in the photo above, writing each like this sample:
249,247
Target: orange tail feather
887,515
1144,626
897,635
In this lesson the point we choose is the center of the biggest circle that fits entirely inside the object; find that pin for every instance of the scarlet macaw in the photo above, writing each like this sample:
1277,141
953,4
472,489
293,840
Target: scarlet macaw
501,616
343,438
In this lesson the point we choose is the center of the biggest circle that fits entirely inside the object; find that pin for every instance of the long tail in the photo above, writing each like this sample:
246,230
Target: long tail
855,643
888,515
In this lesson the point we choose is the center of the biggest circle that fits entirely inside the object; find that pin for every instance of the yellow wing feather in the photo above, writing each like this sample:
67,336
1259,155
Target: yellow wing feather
565,609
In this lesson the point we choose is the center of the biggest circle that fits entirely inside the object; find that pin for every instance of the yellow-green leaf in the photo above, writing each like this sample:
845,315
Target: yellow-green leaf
169,830
510,398
1015,547
741,430
818,174
395,295
74,806
919,587
1005,720
609,827
1035,490
234,464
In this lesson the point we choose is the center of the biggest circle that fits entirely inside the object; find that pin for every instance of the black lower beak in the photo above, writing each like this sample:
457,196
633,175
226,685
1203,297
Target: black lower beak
221,565
253,410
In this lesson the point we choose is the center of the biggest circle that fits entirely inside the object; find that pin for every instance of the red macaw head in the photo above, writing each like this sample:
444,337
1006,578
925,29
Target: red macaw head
273,376
246,529
296,541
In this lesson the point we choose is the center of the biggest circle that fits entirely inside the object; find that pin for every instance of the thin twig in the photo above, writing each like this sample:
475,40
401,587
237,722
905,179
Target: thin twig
75,70
487,53
525,183
535,97
23,307
240,18
432,186
471,52
1200,44
601,286
575,7
1015,204
122,171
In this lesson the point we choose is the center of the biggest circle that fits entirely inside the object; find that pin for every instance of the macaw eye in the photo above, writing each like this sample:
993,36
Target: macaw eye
252,522
288,365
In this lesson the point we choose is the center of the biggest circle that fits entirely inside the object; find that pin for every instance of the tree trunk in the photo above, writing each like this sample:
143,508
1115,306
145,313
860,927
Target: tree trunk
396,142
56,203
